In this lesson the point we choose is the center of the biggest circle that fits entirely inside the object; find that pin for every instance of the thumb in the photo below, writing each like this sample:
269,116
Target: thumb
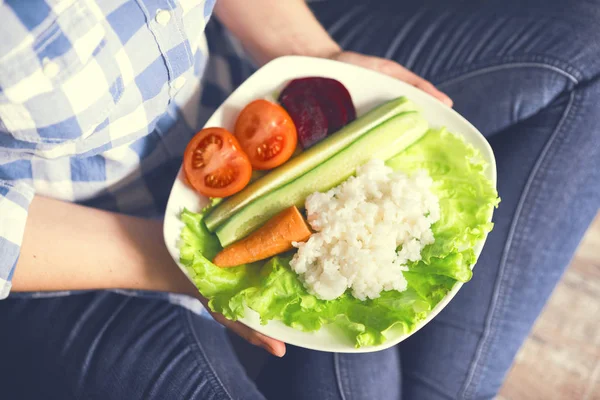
273,346
395,70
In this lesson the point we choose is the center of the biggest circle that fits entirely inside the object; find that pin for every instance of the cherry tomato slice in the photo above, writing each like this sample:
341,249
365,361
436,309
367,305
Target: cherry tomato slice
215,164
267,134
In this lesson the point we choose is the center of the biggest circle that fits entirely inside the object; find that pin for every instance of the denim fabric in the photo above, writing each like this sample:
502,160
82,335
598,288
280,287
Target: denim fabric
104,345
527,74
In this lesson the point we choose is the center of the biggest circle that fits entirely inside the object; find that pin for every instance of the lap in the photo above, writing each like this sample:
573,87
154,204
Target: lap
526,73
542,124
305,374
528,77
103,345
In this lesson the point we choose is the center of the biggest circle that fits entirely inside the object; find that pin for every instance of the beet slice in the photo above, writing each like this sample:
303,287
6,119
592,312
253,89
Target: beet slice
330,85
331,105
308,116
332,95
344,95
334,111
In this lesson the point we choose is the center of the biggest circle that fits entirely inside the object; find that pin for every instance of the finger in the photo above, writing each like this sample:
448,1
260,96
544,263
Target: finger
398,71
273,346
395,70
428,87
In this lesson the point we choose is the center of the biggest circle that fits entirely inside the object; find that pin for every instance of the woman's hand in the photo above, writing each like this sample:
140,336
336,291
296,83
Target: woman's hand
289,27
273,346
392,69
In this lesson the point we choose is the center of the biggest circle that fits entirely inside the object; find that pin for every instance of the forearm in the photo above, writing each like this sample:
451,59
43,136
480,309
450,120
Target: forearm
274,28
71,247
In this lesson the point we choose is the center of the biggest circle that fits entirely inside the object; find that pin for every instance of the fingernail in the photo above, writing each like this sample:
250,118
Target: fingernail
272,351
447,100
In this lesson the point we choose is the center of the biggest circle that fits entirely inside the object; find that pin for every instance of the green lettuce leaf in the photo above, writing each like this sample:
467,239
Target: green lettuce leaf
467,200
275,292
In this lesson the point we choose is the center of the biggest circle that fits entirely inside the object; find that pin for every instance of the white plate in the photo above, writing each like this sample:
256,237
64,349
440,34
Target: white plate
367,89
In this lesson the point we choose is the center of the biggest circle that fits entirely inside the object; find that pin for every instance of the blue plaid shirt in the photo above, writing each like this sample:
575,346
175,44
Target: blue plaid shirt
97,103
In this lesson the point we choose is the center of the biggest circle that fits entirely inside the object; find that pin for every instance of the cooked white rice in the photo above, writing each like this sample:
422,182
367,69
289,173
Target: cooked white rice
359,225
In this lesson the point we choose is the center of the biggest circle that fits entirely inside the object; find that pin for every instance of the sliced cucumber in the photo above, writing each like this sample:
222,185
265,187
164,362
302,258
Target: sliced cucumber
307,160
382,142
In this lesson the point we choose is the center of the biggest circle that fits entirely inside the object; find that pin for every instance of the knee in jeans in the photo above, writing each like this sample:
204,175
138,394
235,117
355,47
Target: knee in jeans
575,41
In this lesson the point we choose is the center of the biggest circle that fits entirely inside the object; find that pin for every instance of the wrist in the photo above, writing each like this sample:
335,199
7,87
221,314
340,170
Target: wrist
324,49
159,270
286,28
294,44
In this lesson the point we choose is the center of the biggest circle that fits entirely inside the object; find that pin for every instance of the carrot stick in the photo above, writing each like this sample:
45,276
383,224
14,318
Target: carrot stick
274,237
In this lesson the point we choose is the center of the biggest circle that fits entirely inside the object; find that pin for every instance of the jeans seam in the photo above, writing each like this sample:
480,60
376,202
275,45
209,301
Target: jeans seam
559,66
456,325
427,383
338,377
510,65
190,333
475,369
567,116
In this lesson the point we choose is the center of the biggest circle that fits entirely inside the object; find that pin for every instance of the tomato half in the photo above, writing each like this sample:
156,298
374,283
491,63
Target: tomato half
267,134
214,163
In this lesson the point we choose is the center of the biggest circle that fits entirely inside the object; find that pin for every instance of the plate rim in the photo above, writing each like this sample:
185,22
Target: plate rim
251,318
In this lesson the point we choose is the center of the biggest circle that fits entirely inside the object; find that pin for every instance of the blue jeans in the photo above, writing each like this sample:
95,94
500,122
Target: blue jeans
527,74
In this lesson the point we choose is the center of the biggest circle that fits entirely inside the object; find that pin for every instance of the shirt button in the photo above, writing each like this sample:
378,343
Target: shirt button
50,68
179,82
163,17
176,85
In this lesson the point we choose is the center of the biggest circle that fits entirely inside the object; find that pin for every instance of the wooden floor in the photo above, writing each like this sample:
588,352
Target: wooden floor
561,358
